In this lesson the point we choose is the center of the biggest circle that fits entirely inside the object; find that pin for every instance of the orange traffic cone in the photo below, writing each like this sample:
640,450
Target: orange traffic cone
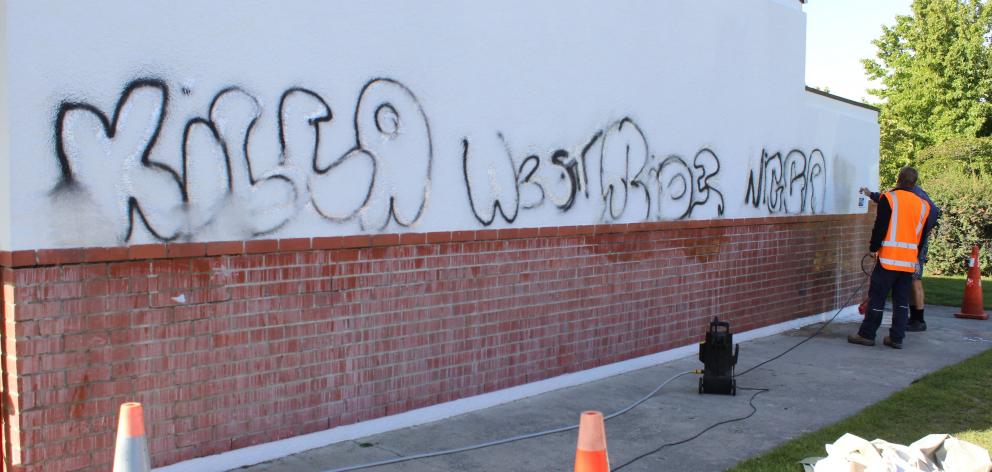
131,453
590,454
972,308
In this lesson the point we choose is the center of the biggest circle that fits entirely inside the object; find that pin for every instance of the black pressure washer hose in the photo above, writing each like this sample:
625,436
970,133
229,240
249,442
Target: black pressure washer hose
822,327
754,409
759,391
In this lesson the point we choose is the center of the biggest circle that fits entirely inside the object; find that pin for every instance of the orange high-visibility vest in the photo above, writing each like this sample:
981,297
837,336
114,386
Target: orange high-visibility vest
900,248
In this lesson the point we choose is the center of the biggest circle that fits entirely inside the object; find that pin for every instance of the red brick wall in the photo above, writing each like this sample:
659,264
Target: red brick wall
281,338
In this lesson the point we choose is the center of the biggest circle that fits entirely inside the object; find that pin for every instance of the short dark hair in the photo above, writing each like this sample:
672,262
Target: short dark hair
907,177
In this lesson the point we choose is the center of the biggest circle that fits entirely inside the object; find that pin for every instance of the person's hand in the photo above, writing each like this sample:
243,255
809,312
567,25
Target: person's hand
873,255
865,191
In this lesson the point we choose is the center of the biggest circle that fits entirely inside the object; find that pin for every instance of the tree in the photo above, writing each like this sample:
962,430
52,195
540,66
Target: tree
958,156
958,175
935,66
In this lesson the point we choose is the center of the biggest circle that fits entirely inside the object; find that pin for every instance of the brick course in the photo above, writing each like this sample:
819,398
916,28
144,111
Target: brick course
232,344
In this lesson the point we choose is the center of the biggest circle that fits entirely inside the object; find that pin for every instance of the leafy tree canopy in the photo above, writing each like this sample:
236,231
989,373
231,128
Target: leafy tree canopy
935,66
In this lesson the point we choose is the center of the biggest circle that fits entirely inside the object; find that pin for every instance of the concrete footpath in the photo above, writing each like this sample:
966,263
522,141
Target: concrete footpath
821,382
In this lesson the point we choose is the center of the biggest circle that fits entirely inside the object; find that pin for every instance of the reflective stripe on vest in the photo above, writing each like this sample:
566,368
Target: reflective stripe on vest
898,244
900,249
894,221
924,212
909,265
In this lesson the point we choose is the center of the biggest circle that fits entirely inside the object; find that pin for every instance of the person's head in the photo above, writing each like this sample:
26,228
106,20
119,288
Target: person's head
907,177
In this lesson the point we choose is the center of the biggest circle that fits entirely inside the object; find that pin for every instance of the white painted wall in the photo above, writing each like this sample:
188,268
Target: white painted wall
5,170
855,134
707,88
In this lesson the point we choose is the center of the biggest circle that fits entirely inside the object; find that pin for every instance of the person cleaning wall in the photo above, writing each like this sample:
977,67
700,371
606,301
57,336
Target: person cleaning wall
917,321
895,243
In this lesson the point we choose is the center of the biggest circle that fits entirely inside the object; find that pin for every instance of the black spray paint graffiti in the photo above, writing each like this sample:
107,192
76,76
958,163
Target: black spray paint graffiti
393,151
676,191
793,185
222,143
503,191
557,181
127,147
630,179
218,182
221,187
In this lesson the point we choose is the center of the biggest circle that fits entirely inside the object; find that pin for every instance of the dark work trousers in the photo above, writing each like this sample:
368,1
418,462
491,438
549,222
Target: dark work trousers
883,280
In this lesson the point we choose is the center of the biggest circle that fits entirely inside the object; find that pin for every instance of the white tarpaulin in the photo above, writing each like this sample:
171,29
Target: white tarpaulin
933,453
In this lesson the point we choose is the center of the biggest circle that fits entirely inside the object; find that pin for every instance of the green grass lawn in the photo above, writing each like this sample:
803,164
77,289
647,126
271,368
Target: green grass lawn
955,400
950,290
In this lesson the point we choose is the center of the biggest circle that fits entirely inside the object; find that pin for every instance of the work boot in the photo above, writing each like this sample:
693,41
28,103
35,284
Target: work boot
889,342
857,339
915,326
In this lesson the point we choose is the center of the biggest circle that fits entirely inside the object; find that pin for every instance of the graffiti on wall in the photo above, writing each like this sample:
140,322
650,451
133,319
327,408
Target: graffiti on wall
792,185
393,152
111,158
223,187
627,178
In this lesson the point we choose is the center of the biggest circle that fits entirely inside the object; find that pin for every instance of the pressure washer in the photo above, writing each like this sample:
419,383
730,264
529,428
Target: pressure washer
719,357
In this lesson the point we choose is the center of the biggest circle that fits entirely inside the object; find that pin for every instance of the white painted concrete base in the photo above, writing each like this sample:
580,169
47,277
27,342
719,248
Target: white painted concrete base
274,450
